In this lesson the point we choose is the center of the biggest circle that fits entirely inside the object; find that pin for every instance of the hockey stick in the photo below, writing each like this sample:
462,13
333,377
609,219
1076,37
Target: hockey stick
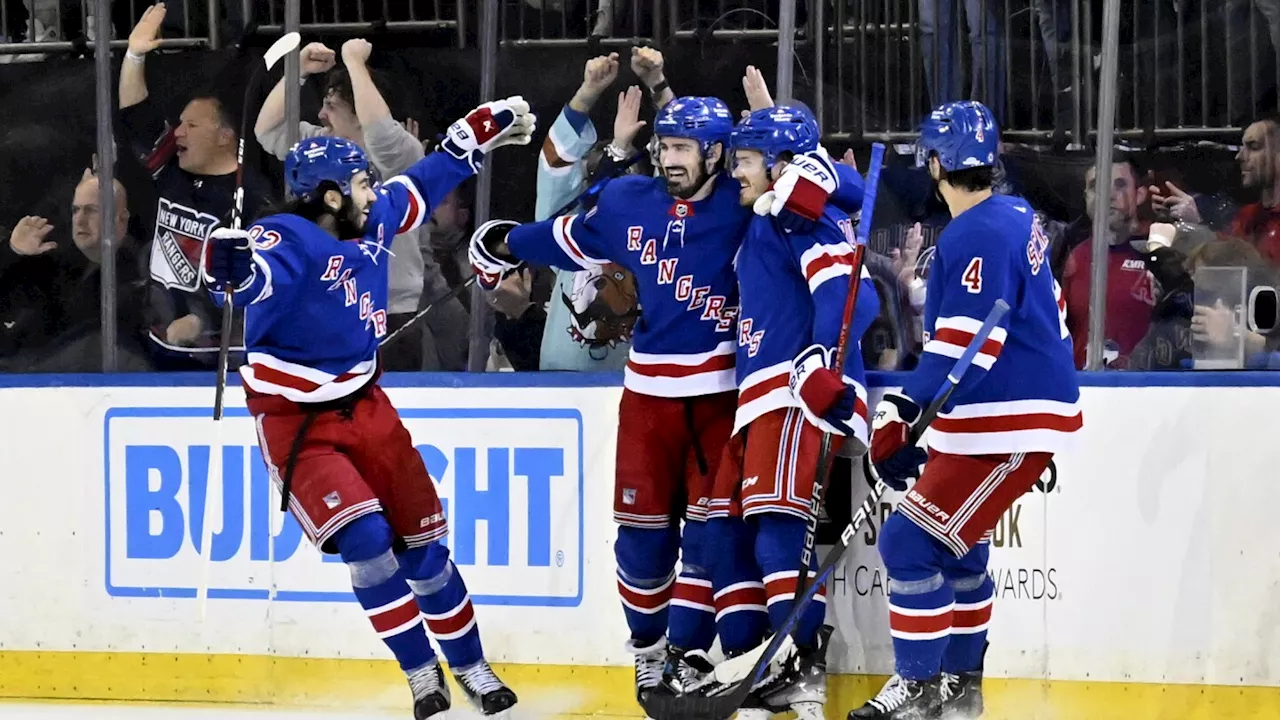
285,45
851,300
453,293
733,680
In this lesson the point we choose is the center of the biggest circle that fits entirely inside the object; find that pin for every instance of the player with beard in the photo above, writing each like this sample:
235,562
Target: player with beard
678,234
314,282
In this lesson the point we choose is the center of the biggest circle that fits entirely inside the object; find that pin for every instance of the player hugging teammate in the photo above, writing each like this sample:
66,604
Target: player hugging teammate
313,281
679,234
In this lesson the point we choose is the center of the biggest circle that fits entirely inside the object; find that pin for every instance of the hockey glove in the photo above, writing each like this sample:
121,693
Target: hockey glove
799,196
487,262
827,401
894,457
492,125
228,260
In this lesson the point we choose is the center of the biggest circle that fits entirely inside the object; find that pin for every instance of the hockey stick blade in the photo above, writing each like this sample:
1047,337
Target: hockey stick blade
285,45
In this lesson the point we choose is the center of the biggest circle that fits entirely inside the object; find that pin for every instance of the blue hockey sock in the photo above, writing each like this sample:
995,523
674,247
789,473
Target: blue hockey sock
779,539
974,592
921,602
691,622
741,619
381,588
646,576
443,597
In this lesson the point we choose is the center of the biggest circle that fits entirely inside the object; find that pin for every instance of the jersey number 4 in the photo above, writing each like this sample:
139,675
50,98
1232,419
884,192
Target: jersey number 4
972,278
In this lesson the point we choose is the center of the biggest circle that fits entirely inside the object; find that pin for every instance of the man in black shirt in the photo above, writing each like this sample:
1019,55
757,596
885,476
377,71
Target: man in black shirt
193,166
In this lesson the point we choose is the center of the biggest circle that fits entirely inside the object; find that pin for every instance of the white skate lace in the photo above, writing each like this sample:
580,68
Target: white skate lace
424,681
892,695
950,686
479,678
649,663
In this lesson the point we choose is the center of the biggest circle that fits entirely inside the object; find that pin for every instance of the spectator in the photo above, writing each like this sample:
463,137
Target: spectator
355,108
1259,223
1220,327
588,323
1130,291
193,166
51,302
449,231
938,21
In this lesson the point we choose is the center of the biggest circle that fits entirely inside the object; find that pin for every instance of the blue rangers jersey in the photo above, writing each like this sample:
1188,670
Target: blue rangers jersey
793,289
1020,395
317,308
681,254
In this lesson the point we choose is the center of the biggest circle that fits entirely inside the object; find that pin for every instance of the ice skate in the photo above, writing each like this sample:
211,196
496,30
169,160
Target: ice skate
683,670
486,692
430,693
902,699
650,661
962,694
803,688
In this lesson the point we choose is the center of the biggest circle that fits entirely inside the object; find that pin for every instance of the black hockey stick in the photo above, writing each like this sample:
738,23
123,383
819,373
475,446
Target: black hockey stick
842,346
733,680
453,293
285,45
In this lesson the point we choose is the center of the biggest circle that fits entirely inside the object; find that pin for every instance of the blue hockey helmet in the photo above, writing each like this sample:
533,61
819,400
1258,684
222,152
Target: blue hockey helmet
705,119
775,130
963,134
323,159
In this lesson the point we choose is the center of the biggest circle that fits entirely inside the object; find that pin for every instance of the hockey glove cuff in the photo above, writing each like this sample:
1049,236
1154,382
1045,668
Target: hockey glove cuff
488,265
227,260
490,126
828,401
800,194
894,457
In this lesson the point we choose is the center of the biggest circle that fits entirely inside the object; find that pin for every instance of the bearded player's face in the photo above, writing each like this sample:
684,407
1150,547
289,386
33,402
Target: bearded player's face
362,197
683,166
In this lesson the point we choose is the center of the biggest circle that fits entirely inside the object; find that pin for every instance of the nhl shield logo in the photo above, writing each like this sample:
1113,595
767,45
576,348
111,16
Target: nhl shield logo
628,496
332,500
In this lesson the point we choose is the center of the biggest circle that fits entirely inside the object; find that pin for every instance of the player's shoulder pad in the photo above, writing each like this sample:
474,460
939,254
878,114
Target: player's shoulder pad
626,188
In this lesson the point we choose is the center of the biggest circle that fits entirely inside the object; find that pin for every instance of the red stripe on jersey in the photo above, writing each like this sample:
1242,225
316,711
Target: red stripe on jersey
403,612
413,215
962,338
716,363
645,601
860,408
971,618
763,388
824,261
920,623
1009,423
284,379
455,621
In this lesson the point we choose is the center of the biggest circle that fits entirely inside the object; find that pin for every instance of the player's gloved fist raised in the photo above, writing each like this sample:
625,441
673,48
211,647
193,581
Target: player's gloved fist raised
827,401
488,253
800,194
893,454
228,260
492,125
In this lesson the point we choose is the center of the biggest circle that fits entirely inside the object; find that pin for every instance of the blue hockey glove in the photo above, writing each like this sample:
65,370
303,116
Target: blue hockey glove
800,194
894,457
488,252
827,401
228,260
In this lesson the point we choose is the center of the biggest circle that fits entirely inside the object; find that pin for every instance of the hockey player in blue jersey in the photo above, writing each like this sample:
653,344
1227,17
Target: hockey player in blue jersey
793,287
1013,410
313,281
678,234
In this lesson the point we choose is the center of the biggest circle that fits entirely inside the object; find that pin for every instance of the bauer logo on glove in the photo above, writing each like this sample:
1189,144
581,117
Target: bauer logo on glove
492,125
